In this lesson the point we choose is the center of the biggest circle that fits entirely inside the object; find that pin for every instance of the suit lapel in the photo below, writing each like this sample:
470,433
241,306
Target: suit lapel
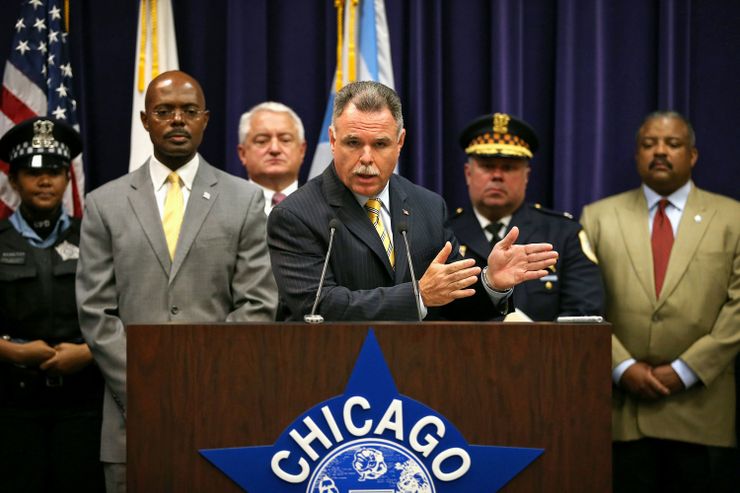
142,201
633,224
202,197
353,216
694,223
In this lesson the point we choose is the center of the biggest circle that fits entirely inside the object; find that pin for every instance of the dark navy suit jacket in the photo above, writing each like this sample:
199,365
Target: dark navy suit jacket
572,287
360,283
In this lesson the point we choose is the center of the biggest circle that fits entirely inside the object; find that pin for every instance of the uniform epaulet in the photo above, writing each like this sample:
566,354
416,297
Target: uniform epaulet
544,210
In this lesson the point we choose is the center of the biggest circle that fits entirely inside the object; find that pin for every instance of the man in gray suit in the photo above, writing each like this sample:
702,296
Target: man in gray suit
174,241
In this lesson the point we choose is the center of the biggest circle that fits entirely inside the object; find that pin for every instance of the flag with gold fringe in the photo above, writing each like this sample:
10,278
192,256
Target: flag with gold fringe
363,53
156,52
37,81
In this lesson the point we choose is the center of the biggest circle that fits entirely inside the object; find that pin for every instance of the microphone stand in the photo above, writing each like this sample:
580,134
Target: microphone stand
313,317
403,228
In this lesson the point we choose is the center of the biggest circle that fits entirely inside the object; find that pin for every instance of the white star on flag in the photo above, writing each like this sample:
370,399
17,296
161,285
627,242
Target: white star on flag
60,113
66,69
62,91
36,3
55,13
42,47
53,36
19,25
40,24
23,47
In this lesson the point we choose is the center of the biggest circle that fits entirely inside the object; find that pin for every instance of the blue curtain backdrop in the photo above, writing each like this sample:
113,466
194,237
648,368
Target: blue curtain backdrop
582,72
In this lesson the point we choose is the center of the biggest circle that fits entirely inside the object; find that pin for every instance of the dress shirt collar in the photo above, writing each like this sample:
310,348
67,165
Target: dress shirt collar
484,221
269,192
25,230
677,199
384,196
159,172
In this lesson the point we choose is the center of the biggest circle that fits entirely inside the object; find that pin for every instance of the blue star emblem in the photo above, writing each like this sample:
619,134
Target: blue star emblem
371,439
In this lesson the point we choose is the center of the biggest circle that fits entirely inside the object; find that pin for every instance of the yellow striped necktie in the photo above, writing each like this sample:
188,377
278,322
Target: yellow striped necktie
372,207
173,212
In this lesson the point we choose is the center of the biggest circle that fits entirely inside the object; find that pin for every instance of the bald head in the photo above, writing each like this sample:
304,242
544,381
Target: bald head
175,116
171,79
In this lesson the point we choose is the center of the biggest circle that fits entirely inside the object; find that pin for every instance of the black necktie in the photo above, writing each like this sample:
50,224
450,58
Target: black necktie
494,230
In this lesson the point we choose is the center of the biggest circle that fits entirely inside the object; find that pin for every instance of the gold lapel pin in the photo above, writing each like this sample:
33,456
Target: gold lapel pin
697,218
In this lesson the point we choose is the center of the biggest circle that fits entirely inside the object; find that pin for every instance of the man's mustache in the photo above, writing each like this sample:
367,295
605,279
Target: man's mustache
366,169
661,161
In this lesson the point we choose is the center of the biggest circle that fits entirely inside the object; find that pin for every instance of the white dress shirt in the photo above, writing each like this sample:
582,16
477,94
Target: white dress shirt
159,173
268,193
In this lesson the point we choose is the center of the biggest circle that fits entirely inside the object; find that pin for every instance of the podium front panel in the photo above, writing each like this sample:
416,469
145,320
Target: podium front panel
539,385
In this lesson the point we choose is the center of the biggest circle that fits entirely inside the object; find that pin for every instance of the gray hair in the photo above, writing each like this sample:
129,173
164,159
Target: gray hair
368,97
668,114
245,122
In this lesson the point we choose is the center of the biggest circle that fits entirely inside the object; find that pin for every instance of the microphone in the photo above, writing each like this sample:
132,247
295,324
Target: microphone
403,229
313,317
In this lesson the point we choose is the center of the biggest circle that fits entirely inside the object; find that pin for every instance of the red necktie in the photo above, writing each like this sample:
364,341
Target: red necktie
277,197
662,241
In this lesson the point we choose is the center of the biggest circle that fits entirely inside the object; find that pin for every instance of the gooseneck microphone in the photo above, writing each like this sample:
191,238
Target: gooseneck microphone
313,317
403,229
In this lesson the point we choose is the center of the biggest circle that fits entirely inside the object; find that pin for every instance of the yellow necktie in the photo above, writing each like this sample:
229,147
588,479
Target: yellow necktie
173,212
372,207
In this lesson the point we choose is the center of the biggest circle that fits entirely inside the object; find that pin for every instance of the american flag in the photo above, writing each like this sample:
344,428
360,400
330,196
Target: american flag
38,81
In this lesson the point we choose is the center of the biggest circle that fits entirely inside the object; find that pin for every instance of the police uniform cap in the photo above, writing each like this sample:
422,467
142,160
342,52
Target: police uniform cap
40,142
499,135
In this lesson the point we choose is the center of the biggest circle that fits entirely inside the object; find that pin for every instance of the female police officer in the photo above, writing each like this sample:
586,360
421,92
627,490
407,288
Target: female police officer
50,390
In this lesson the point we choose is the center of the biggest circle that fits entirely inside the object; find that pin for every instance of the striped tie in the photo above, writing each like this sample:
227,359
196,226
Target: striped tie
173,213
372,207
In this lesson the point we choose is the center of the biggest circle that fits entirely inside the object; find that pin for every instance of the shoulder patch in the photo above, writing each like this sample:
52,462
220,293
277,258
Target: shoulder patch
586,247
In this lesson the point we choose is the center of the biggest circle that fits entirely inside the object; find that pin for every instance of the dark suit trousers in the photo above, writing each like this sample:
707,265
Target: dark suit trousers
651,465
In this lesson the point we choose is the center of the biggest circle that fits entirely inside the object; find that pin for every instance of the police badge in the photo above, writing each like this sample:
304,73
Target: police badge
68,251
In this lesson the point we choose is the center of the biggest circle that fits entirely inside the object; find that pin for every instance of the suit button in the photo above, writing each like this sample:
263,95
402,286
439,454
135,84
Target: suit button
174,310
656,317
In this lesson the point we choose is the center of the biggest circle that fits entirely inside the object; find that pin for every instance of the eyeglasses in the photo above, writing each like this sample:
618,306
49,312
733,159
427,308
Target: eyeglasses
168,114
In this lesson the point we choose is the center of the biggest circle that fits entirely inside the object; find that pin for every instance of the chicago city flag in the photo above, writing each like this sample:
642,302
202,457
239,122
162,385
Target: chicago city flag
363,53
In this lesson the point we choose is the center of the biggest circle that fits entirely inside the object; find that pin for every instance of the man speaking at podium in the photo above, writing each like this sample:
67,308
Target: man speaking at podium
370,210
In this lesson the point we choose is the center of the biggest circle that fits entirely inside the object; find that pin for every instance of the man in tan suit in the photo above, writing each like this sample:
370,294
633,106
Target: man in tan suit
670,256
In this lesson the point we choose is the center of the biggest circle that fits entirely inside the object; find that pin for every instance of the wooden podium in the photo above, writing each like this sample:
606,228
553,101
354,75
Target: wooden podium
541,385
